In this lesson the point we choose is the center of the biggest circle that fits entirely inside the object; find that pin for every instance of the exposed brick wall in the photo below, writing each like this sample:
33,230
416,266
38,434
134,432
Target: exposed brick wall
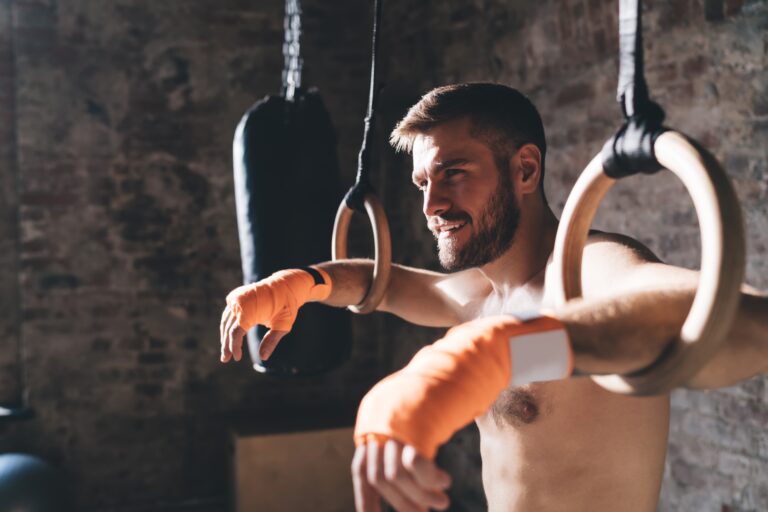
10,371
125,114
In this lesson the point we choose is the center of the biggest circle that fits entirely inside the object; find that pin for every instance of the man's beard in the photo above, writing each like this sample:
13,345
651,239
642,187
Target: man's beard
494,232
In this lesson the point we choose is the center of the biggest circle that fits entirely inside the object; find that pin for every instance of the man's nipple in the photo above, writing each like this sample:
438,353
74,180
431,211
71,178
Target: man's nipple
515,407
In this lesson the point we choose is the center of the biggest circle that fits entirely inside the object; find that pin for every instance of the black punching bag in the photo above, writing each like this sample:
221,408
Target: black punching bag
286,190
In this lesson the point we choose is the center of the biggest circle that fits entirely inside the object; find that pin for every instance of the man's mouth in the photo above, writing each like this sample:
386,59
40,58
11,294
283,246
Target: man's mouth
449,230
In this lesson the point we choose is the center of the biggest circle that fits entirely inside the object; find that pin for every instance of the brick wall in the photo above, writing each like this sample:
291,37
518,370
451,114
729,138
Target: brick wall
10,372
125,113
118,183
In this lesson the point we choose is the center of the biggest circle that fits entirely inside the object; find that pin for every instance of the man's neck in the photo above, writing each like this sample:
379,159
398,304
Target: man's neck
527,256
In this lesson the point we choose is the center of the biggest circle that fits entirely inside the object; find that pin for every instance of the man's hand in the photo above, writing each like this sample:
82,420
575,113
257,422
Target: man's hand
398,474
273,302
232,338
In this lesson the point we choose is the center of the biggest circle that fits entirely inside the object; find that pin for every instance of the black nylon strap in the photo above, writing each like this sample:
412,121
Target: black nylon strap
632,91
630,151
356,195
317,276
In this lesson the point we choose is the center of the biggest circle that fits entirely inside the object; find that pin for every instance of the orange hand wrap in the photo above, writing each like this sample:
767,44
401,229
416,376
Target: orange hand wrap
449,383
275,301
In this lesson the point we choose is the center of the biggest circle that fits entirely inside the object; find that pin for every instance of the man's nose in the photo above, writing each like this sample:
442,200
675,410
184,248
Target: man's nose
435,201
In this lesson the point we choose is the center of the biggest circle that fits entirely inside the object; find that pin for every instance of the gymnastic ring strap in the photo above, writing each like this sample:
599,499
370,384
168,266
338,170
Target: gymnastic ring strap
355,198
362,198
630,150
722,261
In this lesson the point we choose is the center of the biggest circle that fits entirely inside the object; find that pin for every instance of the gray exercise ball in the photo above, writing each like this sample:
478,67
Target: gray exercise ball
29,484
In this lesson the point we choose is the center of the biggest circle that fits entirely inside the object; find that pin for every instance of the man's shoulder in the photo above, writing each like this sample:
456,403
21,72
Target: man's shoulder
613,249
608,260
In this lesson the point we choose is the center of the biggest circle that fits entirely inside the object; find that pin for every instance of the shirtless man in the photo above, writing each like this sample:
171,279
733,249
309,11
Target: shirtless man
478,158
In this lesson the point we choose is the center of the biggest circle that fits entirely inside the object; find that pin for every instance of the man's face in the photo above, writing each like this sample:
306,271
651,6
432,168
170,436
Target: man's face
469,203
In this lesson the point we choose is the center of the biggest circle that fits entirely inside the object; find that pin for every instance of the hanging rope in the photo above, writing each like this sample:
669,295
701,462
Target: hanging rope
292,49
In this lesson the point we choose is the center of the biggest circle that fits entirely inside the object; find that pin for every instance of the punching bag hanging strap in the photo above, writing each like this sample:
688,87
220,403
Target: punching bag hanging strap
630,151
292,49
356,195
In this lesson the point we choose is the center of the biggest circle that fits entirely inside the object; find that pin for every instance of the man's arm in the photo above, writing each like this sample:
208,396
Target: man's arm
419,296
625,334
634,305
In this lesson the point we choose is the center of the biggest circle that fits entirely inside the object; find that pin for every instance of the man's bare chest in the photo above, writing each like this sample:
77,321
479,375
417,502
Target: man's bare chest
525,405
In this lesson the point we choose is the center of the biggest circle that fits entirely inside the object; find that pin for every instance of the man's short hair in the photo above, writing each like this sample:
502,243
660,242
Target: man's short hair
502,117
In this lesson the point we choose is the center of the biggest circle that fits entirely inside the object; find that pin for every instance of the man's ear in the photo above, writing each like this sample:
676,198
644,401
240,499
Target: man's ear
528,168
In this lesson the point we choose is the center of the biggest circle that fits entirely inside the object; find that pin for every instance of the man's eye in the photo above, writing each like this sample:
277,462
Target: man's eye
453,172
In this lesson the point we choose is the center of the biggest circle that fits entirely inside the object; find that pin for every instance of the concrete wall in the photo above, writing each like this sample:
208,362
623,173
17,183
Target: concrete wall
118,240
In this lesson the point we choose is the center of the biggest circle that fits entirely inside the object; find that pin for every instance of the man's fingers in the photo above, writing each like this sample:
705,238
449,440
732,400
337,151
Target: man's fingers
232,338
378,479
237,334
269,343
366,497
424,471
225,353
404,479
230,328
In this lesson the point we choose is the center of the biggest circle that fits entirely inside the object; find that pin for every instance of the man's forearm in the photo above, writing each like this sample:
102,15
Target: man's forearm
416,295
351,280
622,335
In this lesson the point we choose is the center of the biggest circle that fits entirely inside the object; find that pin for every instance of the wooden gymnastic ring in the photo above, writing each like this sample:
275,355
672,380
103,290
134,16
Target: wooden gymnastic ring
382,244
722,260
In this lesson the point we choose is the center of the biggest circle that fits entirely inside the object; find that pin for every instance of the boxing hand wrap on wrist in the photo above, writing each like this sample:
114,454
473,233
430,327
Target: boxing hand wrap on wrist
449,383
275,301
540,356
